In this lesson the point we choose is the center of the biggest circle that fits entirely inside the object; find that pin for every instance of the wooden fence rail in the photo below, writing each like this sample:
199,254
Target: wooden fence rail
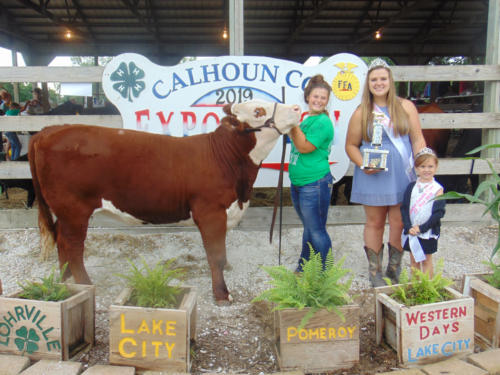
428,120
489,121
410,73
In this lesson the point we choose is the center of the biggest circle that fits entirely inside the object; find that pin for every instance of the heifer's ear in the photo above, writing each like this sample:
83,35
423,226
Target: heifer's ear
227,109
236,124
231,120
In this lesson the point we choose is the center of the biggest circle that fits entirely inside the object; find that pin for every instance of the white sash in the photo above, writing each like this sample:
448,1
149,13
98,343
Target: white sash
416,249
406,154
420,211
423,198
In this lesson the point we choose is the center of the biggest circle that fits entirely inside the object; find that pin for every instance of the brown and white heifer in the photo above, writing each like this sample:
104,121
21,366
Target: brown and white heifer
78,169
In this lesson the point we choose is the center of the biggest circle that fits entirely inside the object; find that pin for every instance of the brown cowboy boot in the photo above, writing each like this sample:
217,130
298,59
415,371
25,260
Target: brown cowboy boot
394,266
375,266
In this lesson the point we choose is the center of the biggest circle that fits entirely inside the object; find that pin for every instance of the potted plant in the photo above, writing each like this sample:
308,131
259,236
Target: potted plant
48,319
423,319
484,287
316,321
153,322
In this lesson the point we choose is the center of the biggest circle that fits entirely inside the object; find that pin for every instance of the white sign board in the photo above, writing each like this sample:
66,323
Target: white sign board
76,89
187,99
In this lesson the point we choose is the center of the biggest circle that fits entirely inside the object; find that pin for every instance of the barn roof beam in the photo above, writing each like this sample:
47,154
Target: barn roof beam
133,9
364,16
318,7
151,9
181,49
11,35
9,27
297,12
42,9
84,19
405,11
424,31
448,27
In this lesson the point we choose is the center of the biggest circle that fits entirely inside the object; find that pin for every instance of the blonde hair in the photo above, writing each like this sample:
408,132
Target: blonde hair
398,115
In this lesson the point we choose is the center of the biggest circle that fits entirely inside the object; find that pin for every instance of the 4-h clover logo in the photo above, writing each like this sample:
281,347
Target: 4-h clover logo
27,340
128,80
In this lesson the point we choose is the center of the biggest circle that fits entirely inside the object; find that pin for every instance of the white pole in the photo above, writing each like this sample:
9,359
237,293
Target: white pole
15,84
492,89
236,28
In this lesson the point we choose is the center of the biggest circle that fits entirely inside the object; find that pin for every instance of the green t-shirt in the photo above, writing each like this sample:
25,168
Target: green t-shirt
306,168
12,112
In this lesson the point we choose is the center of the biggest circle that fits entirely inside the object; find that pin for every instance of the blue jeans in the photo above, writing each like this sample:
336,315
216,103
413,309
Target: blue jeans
15,145
311,202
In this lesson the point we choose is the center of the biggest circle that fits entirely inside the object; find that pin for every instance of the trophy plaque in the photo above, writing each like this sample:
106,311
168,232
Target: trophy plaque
376,158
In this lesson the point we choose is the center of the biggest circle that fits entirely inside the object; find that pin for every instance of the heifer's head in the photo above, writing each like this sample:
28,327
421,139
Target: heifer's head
267,120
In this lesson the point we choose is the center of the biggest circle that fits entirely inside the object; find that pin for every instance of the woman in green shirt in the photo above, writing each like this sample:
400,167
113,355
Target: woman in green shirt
309,169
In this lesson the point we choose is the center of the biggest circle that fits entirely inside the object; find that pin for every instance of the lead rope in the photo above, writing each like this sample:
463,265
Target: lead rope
279,196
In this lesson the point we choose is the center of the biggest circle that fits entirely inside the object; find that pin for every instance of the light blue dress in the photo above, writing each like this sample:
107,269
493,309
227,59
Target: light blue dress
385,188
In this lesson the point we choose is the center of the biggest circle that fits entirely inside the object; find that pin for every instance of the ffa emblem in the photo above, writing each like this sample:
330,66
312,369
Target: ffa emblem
345,85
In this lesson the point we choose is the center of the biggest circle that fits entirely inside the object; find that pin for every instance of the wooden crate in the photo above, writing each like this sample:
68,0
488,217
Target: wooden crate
152,338
48,330
486,311
425,333
326,343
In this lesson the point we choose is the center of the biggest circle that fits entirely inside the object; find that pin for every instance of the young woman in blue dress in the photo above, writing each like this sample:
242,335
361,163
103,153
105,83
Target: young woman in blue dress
380,191
309,169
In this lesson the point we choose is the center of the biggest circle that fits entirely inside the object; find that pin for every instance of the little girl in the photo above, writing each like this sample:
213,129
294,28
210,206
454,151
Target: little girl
421,214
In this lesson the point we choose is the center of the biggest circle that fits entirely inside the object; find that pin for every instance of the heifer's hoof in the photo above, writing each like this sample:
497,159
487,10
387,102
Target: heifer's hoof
225,302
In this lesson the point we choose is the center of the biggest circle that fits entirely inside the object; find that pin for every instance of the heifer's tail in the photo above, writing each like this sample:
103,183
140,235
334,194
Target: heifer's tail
45,220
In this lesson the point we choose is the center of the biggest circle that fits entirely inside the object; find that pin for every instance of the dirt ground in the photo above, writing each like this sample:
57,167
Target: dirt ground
17,199
230,339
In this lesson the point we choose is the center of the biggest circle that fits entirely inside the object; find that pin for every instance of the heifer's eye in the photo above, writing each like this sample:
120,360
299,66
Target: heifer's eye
260,112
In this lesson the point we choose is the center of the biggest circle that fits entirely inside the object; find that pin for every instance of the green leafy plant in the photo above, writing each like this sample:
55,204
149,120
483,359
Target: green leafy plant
420,288
494,278
315,287
487,192
151,286
50,288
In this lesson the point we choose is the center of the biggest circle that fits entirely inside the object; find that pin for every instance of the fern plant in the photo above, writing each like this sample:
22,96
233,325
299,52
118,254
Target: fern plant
420,288
315,287
151,286
50,288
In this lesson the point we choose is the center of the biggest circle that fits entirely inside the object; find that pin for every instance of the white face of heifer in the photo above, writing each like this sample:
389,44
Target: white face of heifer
256,113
